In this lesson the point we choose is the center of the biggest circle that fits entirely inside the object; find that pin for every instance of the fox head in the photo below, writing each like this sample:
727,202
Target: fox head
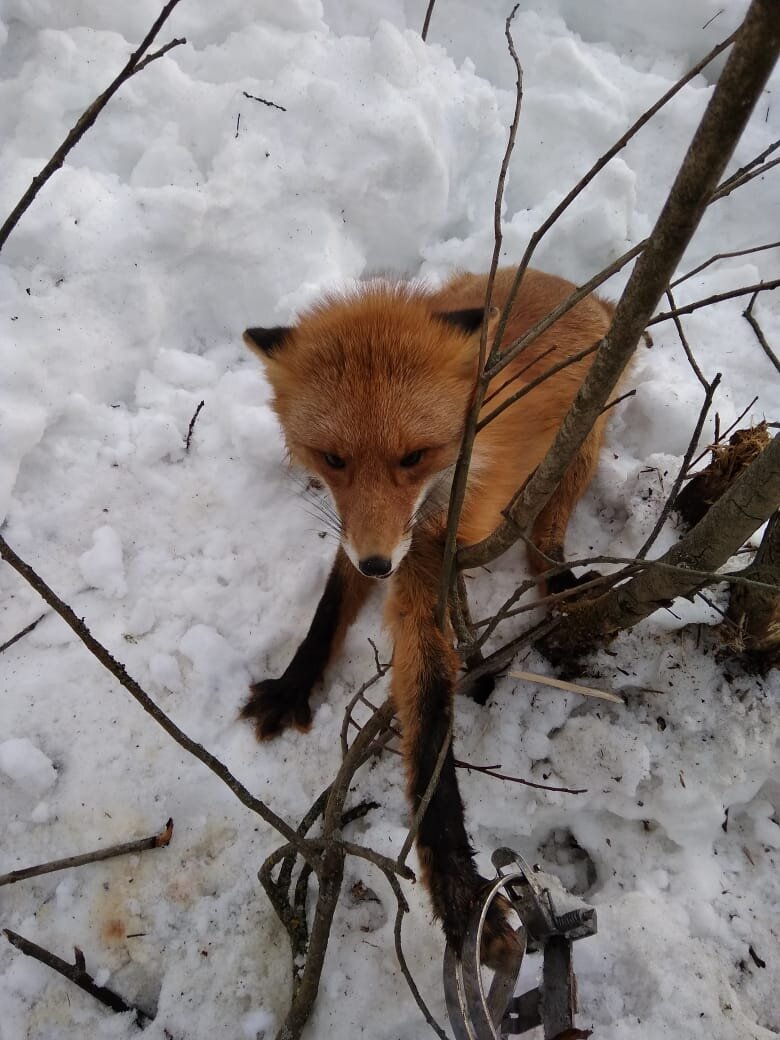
372,391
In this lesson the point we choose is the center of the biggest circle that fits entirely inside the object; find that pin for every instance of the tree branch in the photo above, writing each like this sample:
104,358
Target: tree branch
727,525
753,322
156,841
78,974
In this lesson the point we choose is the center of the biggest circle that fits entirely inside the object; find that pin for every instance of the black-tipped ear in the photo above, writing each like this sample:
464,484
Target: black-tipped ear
468,320
266,341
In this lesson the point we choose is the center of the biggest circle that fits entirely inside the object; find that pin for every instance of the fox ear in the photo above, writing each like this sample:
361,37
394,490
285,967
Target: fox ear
469,320
265,342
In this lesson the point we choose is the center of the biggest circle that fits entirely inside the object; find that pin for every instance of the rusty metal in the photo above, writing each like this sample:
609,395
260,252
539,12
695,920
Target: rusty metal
478,1012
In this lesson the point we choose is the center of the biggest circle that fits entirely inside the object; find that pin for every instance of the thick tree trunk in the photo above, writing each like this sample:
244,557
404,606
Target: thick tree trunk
748,503
756,611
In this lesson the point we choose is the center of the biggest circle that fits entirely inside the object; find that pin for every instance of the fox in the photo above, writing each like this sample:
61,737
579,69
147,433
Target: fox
372,388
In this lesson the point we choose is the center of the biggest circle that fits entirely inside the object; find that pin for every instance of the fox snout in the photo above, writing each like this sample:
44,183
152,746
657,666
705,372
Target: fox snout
373,562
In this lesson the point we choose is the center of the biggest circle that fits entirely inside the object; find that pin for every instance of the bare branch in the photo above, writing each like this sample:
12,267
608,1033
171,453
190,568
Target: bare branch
87,118
746,173
753,322
727,525
732,294
263,101
77,974
155,841
492,771
427,21
460,477
193,420
685,344
693,444
25,631
722,256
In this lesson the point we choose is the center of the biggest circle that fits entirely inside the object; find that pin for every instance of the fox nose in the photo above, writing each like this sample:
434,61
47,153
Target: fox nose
375,567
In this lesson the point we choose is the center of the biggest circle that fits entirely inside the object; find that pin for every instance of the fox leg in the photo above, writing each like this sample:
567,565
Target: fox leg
549,529
276,704
423,679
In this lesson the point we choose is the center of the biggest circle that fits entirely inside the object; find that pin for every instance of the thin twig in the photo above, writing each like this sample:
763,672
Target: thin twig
380,671
573,359
263,101
383,862
684,341
732,294
721,256
88,117
25,631
678,480
403,908
492,772
77,974
155,841
119,671
193,420
619,400
745,173
753,322
461,475
427,22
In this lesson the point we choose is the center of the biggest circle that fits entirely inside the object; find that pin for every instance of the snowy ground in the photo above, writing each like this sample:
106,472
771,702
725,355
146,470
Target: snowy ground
124,291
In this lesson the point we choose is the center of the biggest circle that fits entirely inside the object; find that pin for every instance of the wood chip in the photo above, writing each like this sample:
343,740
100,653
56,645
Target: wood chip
570,687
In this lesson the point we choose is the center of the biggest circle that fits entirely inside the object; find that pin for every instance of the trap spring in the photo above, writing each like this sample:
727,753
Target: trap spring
497,1014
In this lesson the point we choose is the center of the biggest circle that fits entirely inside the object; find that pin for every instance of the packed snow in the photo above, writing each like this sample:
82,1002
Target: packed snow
192,210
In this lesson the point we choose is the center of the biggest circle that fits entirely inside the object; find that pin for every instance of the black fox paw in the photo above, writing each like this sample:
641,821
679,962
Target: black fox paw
567,580
275,705
500,947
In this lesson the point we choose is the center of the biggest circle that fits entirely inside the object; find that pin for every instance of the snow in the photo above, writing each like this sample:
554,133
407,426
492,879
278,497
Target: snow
124,290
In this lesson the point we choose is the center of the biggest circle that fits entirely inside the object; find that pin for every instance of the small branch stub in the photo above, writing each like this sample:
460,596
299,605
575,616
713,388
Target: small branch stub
77,973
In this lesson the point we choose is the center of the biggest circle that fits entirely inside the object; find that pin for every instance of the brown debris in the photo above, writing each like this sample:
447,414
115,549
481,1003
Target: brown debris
728,462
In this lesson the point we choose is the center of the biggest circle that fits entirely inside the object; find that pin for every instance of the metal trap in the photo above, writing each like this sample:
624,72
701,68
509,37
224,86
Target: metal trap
496,1014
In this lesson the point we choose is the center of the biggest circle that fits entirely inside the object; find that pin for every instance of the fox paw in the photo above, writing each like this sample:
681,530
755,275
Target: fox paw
567,580
275,705
500,946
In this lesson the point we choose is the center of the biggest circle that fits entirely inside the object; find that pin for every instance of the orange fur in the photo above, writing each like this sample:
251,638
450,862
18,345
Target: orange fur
363,385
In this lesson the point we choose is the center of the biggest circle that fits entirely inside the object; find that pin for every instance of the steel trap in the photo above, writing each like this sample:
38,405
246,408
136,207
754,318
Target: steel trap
497,1014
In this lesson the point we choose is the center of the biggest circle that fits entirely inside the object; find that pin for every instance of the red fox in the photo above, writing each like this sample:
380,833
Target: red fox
372,389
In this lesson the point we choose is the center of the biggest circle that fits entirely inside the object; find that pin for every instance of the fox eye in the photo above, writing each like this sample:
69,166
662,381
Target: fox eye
411,459
334,461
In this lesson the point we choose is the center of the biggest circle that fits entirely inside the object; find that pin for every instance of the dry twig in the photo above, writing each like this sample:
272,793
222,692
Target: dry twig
155,841
460,477
753,322
25,631
78,974
427,22
193,420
